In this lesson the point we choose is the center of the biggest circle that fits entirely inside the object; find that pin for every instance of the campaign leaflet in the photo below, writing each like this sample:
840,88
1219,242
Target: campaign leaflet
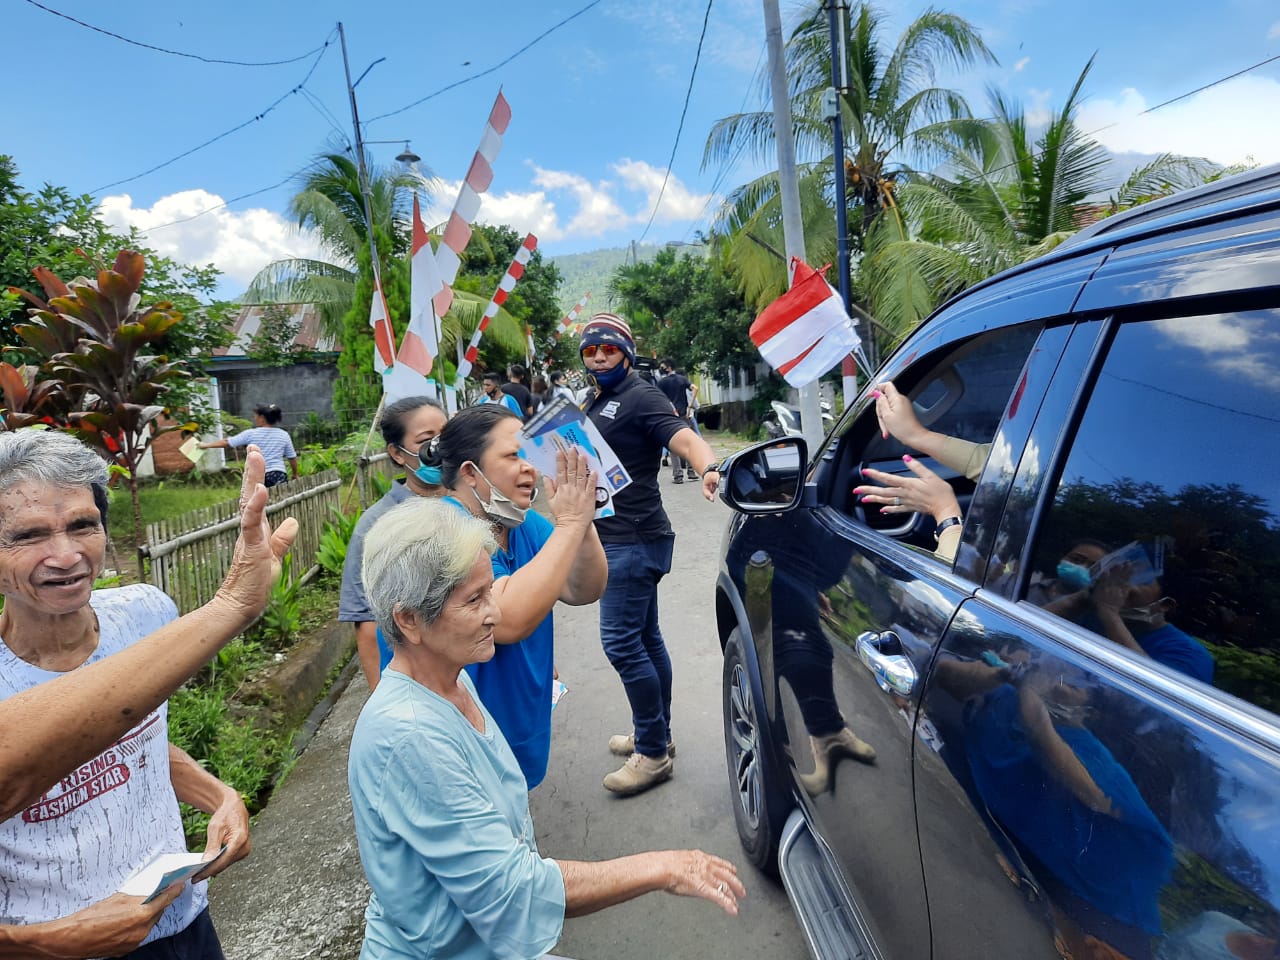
559,425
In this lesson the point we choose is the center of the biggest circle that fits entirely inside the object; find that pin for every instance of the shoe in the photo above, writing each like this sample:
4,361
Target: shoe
828,749
638,774
666,461
691,474
624,745
677,479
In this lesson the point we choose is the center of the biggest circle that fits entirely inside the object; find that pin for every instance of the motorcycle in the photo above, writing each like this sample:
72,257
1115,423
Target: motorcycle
785,421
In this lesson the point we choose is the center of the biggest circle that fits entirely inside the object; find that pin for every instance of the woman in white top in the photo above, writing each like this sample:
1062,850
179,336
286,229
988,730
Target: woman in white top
274,442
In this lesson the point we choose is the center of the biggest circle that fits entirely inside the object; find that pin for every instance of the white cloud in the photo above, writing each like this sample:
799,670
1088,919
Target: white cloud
1021,65
569,206
1274,32
239,243
1038,112
1225,123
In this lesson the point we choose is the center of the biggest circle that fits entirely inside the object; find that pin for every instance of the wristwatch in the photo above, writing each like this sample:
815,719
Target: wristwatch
944,525
710,468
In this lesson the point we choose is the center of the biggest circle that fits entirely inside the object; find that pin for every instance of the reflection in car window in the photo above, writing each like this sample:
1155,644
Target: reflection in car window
1163,534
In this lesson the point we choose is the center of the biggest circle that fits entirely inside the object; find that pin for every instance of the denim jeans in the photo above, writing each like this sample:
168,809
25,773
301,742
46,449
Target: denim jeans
631,638
197,942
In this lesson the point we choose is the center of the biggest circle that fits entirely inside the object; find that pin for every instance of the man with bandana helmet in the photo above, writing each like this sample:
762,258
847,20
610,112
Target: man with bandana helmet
637,422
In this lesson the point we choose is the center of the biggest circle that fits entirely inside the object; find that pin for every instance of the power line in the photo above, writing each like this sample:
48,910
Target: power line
484,73
226,133
1238,73
318,106
679,127
218,206
175,53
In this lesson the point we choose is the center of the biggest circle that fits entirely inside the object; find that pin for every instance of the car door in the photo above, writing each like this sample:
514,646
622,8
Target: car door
1102,769
858,606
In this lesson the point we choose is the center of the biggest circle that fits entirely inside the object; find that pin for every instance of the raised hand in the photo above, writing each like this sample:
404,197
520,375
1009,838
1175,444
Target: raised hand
572,494
255,565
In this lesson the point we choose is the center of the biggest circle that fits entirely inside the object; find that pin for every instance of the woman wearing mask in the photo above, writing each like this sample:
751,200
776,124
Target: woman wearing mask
406,425
537,563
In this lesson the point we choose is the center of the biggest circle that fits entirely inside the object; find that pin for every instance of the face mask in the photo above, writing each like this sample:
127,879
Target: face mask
500,508
609,378
1146,615
1074,576
431,476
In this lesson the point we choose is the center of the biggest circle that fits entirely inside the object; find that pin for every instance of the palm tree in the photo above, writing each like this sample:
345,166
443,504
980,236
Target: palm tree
329,203
892,102
1001,196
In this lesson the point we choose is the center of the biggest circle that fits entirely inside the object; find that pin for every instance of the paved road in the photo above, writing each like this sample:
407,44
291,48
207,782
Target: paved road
301,894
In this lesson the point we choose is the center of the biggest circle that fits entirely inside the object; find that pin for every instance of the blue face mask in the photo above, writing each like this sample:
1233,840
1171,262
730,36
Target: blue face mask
431,476
1074,576
609,378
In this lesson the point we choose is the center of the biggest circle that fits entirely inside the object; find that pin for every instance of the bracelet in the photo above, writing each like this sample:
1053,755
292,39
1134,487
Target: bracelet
946,525
712,468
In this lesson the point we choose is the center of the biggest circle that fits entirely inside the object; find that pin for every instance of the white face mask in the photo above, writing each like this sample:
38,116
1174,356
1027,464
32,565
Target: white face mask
500,508
1148,614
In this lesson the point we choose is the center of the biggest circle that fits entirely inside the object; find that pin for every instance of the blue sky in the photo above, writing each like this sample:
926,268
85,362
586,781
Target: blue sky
595,104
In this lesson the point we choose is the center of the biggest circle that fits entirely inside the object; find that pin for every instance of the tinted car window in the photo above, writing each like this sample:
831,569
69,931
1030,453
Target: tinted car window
1163,534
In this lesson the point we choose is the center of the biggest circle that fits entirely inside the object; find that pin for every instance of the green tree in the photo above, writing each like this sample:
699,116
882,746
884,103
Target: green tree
689,309
892,103
1003,195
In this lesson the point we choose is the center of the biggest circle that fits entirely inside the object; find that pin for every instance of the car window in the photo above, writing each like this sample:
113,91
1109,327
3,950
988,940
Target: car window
961,391
1163,532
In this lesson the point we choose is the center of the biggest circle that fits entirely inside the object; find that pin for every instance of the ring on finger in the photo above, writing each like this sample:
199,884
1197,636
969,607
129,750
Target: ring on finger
720,888
897,501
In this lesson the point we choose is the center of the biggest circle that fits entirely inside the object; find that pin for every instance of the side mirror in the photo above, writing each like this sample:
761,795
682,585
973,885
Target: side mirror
766,478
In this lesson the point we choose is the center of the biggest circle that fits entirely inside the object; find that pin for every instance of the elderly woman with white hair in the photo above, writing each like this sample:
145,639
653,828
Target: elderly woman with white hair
441,807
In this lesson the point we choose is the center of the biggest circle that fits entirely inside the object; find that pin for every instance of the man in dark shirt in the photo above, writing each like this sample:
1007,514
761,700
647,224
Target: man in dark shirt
518,387
637,421
675,387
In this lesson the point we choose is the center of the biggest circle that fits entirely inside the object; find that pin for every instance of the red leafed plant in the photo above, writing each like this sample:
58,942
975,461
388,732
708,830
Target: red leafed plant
92,336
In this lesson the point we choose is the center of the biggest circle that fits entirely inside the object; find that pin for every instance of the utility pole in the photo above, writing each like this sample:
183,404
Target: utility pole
364,182
788,186
836,11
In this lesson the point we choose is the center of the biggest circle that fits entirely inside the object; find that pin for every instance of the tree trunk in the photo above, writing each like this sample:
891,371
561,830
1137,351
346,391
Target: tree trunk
137,507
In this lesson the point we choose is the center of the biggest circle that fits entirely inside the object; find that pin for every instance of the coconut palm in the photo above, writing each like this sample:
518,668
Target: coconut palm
892,101
330,204
1000,196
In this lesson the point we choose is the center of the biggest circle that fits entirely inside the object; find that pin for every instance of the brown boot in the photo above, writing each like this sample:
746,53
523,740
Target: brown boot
638,774
844,742
624,745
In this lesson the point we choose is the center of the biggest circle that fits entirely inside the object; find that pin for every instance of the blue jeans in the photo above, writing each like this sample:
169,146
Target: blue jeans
631,638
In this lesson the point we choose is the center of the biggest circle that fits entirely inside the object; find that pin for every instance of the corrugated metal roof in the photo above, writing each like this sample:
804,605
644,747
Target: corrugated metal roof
250,319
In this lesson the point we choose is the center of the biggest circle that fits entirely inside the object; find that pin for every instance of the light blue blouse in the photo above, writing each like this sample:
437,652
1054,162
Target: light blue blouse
446,840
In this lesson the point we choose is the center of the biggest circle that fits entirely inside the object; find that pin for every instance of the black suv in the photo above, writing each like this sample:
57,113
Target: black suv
1052,776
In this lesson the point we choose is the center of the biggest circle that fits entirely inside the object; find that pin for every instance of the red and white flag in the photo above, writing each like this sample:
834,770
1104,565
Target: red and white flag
384,340
457,232
505,286
805,332
422,337
567,322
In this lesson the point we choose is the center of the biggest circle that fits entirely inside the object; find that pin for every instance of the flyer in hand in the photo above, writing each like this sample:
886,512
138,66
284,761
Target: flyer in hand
559,425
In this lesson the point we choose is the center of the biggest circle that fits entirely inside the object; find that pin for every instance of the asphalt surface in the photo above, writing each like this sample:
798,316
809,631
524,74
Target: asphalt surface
302,893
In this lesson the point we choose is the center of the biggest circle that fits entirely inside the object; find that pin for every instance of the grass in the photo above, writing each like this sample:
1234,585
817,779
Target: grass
160,502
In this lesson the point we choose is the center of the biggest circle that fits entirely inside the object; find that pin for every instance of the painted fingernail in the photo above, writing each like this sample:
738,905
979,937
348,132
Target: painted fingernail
906,458
862,470
876,394
865,499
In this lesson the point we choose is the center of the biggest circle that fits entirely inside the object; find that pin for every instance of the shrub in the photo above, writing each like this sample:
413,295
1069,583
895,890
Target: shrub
334,539
283,614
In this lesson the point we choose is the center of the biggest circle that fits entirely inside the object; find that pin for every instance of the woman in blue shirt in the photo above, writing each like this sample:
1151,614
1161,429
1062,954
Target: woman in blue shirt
537,563
441,809
272,439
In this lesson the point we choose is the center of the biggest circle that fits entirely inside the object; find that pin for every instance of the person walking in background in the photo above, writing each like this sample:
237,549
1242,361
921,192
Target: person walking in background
407,425
676,387
517,386
540,393
637,420
491,384
274,442
559,388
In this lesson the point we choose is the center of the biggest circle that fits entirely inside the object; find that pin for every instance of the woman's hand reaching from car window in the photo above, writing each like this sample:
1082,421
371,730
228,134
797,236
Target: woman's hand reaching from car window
926,492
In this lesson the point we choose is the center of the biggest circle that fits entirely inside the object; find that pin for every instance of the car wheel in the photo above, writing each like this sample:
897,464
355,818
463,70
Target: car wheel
759,807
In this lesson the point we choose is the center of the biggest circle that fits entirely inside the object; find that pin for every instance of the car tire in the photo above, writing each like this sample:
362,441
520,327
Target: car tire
760,808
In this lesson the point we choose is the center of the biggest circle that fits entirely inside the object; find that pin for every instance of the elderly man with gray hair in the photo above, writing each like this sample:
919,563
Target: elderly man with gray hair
65,855
441,807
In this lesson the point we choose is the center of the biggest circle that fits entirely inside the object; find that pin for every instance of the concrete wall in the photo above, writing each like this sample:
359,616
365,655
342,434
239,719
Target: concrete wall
298,389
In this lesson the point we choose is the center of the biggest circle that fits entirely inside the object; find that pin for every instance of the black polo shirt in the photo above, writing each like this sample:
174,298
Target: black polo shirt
635,419
675,387
522,395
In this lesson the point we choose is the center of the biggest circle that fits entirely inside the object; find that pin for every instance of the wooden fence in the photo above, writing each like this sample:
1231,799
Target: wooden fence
189,555
378,463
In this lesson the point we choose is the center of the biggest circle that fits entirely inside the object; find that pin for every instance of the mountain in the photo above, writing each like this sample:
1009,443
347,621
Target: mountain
592,271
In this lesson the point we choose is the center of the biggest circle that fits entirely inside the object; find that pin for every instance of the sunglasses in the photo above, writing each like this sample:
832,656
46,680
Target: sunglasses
608,349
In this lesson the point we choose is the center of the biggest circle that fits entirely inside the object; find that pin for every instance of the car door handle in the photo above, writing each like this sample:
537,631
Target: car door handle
881,653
